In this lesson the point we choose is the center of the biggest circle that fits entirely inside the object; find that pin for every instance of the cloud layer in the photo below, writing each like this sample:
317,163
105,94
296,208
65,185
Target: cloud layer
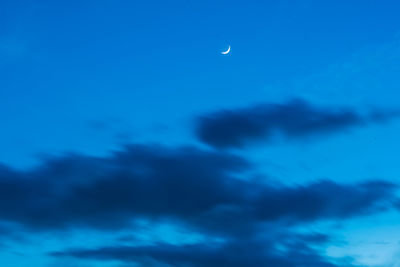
204,191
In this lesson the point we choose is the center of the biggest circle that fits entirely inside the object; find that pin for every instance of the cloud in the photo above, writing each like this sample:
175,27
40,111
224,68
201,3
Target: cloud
296,119
233,253
108,192
202,189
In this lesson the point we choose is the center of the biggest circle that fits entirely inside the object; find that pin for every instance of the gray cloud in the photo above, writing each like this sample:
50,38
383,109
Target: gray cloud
296,119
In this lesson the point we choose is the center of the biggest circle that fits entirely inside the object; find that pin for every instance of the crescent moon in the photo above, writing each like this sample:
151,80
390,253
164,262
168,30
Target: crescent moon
227,51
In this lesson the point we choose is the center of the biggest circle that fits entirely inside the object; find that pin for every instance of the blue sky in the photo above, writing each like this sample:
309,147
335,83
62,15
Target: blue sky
125,132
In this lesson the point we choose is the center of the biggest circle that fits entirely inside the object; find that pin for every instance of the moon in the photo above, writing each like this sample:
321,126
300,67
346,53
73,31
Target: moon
227,51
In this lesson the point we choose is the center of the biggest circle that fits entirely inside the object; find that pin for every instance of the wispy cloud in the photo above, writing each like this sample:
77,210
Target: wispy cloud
295,119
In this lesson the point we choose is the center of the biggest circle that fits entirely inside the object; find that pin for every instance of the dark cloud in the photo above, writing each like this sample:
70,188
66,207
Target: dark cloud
196,187
109,192
233,253
322,200
296,119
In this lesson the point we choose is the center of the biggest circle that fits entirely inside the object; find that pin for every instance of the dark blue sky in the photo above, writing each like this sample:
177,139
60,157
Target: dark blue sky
127,138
